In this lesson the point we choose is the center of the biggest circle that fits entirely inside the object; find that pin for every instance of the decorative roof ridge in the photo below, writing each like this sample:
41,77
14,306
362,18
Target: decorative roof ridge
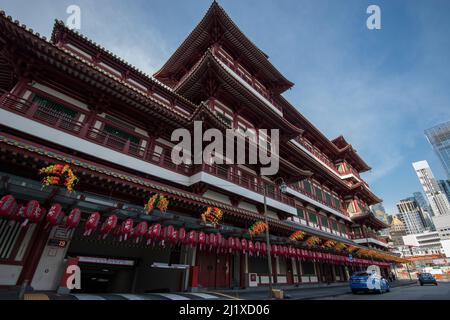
209,55
59,25
215,8
23,26
370,214
361,185
330,143
98,69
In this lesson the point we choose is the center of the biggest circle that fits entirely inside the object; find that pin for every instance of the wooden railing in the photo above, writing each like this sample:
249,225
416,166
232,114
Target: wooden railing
144,150
369,234
318,155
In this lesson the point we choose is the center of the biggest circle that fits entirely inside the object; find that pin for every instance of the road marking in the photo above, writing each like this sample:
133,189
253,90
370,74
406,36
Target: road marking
35,296
227,296
88,297
203,295
172,296
132,296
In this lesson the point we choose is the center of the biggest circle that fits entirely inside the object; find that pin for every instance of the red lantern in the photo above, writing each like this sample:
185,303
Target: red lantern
173,238
258,248
223,244
153,233
32,213
230,244
202,240
274,250
218,241
140,230
237,244
211,241
73,219
293,253
298,253
126,229
263,248
166,234
251,248
108,225
181,235
91,223
192,238
156,231
18,214
8,206
244,245
55,215
280,250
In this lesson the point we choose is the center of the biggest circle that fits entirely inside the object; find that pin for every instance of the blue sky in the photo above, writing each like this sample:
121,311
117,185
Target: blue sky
380,88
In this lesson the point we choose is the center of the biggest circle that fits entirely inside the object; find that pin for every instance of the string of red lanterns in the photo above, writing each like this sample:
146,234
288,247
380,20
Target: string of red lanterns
156,234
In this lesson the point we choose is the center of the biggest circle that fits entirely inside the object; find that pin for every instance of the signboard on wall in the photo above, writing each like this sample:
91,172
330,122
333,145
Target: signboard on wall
54,242
116,262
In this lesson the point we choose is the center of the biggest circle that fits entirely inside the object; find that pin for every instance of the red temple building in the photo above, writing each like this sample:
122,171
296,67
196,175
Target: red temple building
68,101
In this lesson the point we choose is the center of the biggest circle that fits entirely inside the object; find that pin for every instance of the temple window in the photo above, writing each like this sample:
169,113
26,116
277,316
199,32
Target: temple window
312,217
157,152
324,222
121,134
307,186
328,199
337,203
318,192
301,213
53,108
334,225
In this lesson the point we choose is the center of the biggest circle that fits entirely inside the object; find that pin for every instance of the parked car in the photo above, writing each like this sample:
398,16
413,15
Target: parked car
427,278
364,281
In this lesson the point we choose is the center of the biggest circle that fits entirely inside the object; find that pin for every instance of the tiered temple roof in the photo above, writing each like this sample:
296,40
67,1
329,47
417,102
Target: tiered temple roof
216,26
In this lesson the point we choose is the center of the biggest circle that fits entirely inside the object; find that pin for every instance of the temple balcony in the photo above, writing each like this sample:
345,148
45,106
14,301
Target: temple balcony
85,132
370,238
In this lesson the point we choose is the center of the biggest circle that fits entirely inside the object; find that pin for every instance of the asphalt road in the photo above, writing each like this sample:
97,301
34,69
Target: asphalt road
414,292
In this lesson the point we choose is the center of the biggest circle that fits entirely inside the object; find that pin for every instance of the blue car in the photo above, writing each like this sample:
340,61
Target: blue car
427,278
364,281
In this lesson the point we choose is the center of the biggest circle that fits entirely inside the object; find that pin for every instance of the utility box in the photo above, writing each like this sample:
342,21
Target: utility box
278,294
253,280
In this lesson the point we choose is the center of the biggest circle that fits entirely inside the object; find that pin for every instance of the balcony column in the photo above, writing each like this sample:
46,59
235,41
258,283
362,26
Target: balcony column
89,122
20,87
319,222
32,110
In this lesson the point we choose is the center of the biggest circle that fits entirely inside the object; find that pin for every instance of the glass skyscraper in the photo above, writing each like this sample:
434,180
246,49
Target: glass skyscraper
439,137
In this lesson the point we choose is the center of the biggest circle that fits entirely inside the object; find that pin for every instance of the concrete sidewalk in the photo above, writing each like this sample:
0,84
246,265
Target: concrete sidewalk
301,292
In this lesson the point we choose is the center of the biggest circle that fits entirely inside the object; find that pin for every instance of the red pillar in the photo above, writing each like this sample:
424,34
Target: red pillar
193,278
38,243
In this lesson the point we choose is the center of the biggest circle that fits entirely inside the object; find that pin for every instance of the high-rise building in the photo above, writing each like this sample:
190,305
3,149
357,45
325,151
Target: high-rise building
437,199
411,216
427,213
439,137
420,199
445,187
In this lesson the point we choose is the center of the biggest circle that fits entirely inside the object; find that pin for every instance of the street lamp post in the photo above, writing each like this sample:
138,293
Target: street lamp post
283,188
269,258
